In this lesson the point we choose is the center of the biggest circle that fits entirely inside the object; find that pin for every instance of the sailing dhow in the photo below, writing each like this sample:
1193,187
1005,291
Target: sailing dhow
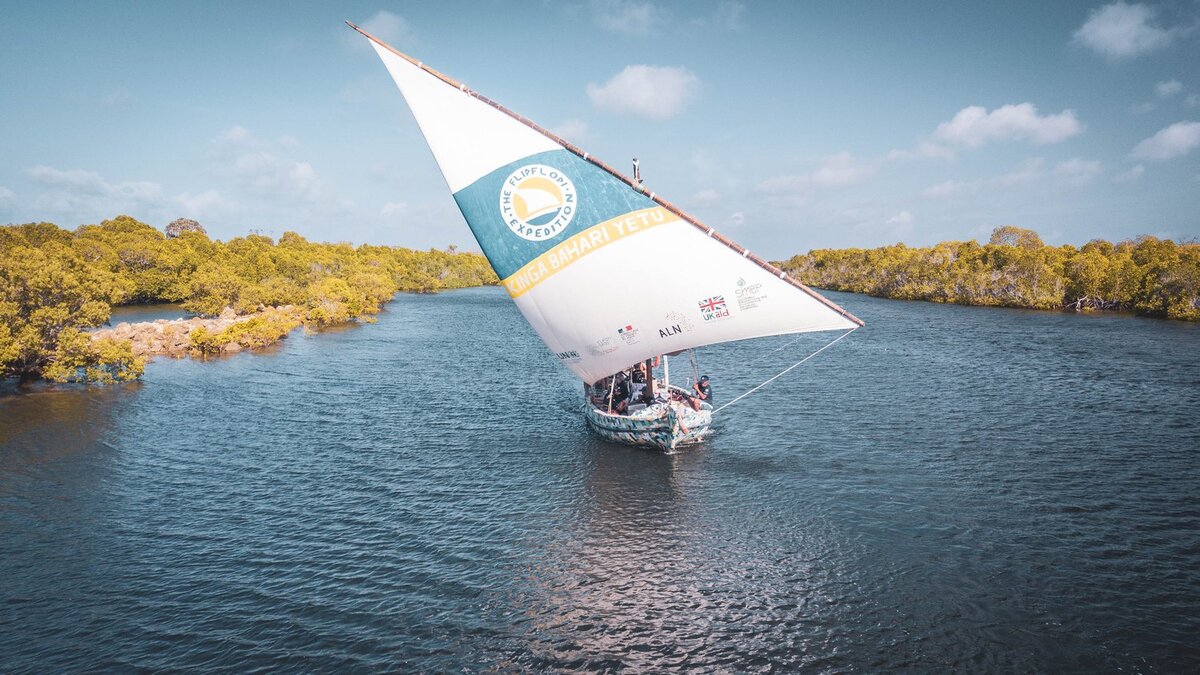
556,224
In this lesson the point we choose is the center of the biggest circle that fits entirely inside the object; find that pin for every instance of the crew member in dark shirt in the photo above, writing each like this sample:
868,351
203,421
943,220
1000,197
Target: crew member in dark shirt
620,395
703,389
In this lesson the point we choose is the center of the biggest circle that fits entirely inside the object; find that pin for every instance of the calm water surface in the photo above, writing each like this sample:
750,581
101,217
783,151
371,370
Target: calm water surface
949,487
149,312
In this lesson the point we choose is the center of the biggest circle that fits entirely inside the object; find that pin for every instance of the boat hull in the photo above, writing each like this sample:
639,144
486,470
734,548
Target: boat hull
664,426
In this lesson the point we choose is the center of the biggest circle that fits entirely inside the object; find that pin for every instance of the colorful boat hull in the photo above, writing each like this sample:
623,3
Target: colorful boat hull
664,426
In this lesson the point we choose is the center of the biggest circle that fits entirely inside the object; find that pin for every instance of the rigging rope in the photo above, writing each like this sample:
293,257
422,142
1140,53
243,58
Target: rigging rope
785,370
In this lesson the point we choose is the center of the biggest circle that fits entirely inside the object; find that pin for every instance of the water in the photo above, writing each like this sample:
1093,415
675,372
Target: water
949,488
148,312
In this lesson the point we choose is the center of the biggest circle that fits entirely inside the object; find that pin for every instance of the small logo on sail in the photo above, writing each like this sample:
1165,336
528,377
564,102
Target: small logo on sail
606,345
677,324
629,334
714,308
537,202
749,296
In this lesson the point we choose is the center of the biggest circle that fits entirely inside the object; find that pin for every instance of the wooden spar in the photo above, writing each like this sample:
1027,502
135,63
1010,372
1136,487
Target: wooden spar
742,251
611,386
648,396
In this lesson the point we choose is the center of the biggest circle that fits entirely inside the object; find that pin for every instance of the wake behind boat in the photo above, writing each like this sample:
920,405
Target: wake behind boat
554,222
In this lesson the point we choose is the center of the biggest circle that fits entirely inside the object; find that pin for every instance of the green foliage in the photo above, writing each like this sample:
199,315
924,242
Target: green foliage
52,280
46,287
259,331
79,358
1016,269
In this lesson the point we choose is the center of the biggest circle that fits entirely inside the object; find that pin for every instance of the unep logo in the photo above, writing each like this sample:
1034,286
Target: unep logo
537,202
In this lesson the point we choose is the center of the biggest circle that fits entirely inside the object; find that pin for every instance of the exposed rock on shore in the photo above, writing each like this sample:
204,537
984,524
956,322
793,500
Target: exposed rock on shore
175,337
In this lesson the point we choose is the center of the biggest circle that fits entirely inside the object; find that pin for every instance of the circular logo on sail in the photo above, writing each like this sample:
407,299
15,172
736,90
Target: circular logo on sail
537,202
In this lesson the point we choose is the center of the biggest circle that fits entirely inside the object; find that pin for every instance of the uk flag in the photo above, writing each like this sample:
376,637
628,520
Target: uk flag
714,308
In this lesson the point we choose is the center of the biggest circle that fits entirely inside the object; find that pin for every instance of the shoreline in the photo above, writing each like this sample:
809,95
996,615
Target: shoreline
195,336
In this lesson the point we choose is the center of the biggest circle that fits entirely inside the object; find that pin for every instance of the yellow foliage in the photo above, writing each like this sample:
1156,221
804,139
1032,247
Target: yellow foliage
259,331
79,358
1015,269
53,279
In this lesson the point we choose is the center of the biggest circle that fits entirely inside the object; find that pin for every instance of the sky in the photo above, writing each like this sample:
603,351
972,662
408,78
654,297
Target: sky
787,126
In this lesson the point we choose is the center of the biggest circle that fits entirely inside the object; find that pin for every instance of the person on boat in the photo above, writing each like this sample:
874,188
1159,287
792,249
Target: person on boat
703,389
639,373
620,395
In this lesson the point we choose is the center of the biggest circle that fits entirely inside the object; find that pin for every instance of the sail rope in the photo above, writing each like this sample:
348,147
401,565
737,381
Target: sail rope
786,370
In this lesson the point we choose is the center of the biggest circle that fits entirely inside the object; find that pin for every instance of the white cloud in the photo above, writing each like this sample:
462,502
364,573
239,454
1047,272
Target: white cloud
573,130
836,171
1130,175
904,219
639,18
1120,31
1025,172
206,204
86,196
653,92
235,134
706,198
841,170
737,219
924,150
1194,100
394,210
1168,88
89,184
387,26
1142,108
974,126
727,16
116,97
7,198
626,16
264,168
703,161
269,174
1078,171
943,189
1176,140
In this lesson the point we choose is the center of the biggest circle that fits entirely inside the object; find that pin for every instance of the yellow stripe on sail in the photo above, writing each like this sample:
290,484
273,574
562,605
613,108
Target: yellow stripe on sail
590,240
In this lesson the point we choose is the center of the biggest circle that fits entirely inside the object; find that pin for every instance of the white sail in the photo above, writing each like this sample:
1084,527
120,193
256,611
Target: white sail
606,273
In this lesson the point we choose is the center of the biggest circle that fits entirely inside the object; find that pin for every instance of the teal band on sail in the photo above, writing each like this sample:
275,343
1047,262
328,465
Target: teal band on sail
585,194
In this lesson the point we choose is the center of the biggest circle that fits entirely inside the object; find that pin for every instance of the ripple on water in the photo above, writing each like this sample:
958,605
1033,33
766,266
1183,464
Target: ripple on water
950,488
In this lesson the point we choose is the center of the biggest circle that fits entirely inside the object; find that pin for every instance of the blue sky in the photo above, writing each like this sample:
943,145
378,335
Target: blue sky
785,125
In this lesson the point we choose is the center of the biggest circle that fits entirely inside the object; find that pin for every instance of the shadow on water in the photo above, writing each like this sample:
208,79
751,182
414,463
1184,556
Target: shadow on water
46,423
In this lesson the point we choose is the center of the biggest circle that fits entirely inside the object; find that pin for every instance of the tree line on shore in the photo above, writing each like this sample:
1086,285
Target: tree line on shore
1149,276
56,283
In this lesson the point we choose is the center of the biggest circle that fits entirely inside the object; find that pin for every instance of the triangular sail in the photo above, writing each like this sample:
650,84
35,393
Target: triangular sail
606,273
